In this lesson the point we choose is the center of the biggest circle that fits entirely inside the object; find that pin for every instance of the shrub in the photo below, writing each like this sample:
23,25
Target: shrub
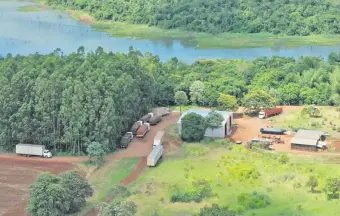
118,192
253,200
312,182
332,188
193,127
283,159
201,189
216,210
195,150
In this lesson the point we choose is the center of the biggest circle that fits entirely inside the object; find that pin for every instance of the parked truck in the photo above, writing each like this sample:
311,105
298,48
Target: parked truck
155,155
158,139
30,149
265,113
135,127
126,139
143,130
163,111
155,119
146,117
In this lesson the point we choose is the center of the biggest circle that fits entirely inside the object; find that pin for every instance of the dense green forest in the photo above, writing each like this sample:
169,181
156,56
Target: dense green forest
69,101
291,17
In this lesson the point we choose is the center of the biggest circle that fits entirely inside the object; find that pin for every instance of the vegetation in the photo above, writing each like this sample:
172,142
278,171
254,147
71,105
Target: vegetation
312,183
193,127
332,188
117,209
30,8
253,200
214,120
258,99
277,17
181,99
227,102
216,210
66,102
96,150
58,195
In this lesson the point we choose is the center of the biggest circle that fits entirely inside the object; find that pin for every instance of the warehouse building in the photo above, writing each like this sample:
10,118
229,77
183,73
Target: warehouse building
308,140
221,132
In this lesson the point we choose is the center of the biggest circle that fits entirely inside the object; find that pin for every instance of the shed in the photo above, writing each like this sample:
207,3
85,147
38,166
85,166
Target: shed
306,139
221,132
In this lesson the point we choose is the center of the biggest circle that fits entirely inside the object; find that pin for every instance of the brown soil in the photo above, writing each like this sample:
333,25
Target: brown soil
136,172
86,19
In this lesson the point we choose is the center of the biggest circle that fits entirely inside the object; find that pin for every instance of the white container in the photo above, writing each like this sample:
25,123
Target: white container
158,139
29,149
154,156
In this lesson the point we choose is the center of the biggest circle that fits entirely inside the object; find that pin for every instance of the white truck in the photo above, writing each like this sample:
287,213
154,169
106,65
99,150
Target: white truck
158,139
154,156
29,149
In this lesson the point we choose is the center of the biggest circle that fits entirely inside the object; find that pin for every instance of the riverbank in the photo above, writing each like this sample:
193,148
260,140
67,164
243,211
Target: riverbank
200,40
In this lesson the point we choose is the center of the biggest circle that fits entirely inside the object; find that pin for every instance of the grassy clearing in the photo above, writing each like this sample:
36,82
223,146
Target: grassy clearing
236,171
30,8
202,40
328,122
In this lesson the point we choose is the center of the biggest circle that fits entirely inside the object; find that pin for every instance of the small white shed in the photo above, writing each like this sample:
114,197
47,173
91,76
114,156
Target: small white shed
221,132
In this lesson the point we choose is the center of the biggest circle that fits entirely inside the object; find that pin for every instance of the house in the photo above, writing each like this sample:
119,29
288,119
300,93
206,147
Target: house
221,132
307,140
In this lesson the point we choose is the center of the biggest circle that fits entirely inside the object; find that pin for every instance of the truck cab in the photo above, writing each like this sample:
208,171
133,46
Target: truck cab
126,139
47,154
262,114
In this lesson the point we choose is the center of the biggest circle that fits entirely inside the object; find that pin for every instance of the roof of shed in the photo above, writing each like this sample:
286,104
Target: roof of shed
204,113
309,134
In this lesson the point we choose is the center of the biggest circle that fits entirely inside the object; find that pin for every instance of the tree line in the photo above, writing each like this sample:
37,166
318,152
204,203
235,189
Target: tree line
67,102
289,17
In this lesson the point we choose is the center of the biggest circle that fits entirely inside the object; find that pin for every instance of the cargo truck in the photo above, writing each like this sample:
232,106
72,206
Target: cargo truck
146,117
163,111
155,155
265,113
143,130
155,119
29,149
135,127
126,139
158,139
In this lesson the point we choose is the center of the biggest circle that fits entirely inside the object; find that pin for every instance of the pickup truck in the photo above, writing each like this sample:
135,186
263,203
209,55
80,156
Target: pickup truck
126,139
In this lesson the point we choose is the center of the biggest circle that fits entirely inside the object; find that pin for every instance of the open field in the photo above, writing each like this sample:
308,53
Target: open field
16,174
227,171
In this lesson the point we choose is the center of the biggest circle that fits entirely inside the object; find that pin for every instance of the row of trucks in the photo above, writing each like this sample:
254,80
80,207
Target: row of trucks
266,113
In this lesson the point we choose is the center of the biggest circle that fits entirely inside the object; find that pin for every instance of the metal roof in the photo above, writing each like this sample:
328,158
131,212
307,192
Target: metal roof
309,134
301,141
204,113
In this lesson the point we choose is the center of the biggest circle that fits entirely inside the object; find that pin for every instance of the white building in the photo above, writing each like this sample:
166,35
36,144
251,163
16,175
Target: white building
221,132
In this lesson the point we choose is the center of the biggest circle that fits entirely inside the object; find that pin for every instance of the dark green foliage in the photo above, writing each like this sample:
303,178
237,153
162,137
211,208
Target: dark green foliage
253,200
312,182
193,127
201,189
118,192
117,209
216,210
332,188
58,195
95,150
218,16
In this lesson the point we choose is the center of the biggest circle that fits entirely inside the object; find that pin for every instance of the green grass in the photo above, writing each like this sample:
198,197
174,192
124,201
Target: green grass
204,40
329,121
30,8
224,169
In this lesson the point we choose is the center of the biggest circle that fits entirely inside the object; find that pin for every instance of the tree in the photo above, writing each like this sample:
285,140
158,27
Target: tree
95,149
117,209
196,92
227,102
257,100
312,183
193,127
181,99
311,110
59,195
216,210
332,188
214,120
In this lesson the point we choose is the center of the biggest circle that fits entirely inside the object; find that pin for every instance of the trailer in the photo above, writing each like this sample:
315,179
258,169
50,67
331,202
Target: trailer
135,127
155,119
30,149
155,155
143,130
158,139
265,113
163,111
146,117
273,131
126,139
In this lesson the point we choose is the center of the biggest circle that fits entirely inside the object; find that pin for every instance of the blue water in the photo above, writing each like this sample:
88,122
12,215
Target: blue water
29,32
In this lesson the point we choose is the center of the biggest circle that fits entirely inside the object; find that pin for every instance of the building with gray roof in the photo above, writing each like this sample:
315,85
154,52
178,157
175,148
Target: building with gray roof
307,139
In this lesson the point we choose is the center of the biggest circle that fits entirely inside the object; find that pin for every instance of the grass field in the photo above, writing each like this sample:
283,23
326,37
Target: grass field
328,122
30,8
201,40
230,173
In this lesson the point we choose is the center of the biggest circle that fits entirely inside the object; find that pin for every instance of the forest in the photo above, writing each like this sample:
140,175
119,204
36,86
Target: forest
68,101
289,17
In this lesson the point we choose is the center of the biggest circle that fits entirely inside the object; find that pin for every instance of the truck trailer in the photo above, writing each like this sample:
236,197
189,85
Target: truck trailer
30,149
135,127
143,130
155,155
265,113
146,117
155,119
158,139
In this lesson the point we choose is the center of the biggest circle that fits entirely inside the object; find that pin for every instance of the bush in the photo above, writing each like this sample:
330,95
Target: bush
253,200
118,192
195,150
193,127
201,189
216,210
283,159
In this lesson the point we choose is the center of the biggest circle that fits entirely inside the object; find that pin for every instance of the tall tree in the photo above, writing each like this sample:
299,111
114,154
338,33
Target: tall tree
227,102
181,99
258,99
214,120
196,92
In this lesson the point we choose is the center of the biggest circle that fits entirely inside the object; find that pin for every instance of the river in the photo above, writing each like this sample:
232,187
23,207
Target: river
44,31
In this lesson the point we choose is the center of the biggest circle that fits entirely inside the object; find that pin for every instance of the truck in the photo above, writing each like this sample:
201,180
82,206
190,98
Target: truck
163,111
158,139
135,127
126,139
265,113
155,119
146,117
143,130
30,149
155,155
